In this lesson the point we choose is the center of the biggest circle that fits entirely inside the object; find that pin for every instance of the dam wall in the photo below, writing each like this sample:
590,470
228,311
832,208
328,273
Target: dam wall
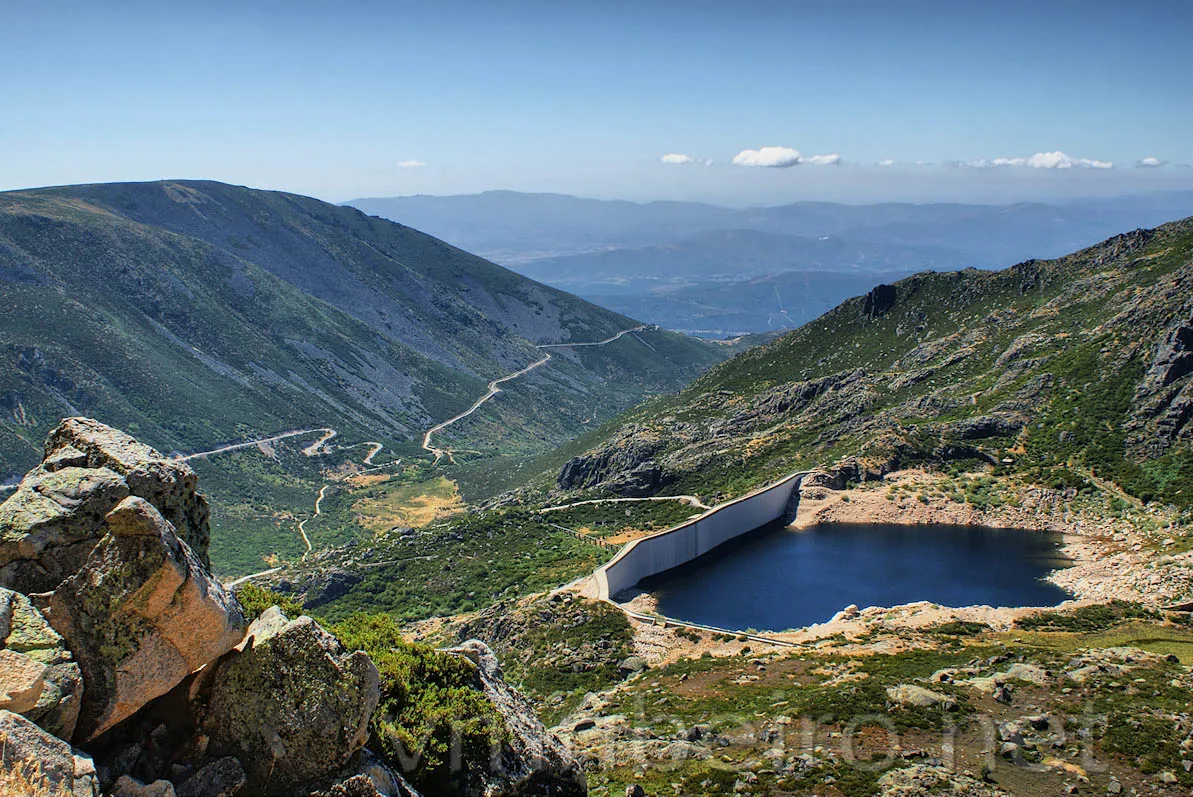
680,544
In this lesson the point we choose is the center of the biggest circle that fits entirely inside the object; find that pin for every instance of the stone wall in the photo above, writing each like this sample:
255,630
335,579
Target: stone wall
675,546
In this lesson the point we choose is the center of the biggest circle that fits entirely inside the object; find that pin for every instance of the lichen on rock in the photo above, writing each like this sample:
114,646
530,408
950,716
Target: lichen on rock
291,704
51,523
141,614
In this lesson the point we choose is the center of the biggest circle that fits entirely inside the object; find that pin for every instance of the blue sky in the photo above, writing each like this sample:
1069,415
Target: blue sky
349,99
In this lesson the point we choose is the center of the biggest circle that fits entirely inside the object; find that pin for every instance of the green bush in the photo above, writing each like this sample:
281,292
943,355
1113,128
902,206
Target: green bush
429,699
1085,618
255,600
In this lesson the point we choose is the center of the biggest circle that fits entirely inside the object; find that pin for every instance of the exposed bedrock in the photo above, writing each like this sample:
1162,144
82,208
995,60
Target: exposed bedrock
49,526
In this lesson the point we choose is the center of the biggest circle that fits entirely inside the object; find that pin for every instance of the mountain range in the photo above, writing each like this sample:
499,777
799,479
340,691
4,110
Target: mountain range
687,266
193,313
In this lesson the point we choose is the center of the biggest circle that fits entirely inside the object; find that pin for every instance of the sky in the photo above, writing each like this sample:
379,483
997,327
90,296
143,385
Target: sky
737,103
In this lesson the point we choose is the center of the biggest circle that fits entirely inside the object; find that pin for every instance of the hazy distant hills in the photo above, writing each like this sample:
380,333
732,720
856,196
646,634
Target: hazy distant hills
528,226
630,256
1059,372
735,254
770,302
195,312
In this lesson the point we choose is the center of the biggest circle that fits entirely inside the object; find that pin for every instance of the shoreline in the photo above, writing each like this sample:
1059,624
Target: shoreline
1111,558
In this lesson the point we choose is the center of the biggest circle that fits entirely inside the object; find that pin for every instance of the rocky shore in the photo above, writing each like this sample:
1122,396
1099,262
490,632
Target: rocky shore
1112,557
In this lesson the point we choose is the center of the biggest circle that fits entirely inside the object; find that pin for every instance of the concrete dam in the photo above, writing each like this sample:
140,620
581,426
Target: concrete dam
681,544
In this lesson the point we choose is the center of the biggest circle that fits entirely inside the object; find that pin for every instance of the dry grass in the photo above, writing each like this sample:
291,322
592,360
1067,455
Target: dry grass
27,779
413,505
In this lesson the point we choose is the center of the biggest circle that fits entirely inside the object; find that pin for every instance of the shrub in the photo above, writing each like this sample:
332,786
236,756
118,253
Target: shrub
255,600
429,699
1085,618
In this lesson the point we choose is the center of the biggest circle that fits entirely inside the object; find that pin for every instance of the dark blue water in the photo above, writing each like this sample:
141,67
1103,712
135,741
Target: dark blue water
777,578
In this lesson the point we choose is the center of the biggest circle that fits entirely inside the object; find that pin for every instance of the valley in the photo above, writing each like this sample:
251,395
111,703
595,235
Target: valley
1033,398
916,403
583,399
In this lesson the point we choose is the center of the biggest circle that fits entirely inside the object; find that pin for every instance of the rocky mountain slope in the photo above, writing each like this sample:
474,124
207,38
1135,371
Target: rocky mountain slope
1075,373
197,312
126,669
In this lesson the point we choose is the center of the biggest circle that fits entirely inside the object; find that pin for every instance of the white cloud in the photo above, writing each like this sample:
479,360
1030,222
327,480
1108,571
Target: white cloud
410,164
781,158
676,158
886,162
1150,163
771,157
1041,160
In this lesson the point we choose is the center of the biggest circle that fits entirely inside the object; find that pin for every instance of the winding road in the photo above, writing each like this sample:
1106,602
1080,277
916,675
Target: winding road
302,526
440,453
328,434
494,387
690,500
320,447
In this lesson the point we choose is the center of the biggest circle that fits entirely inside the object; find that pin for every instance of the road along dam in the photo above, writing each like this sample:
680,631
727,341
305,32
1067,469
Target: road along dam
680,544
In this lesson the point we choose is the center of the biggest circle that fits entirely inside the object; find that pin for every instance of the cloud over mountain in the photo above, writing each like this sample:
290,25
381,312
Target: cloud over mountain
1041,160
781,158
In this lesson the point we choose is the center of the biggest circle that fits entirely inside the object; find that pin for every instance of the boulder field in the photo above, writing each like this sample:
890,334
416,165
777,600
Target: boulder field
128,670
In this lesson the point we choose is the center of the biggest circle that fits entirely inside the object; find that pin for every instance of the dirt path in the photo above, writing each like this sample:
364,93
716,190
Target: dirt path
314,448
376,450
237,582
302,526
494,388
327,435
690,500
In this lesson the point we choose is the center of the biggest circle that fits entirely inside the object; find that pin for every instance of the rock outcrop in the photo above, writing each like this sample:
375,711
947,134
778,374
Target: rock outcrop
879,301
141,614
1164,397
291,704
49,526
628,460
122,641
37,667
532,760
34,762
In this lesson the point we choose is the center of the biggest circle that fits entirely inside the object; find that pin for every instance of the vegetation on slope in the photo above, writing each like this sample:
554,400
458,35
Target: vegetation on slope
195,313
1063,370
430,706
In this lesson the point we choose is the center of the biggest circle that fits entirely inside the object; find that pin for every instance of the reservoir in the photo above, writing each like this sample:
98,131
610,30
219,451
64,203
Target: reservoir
776,578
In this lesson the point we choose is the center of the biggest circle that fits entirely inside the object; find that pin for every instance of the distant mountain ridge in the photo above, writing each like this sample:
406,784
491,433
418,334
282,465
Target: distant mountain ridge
529,226
686,266
195,312
736,254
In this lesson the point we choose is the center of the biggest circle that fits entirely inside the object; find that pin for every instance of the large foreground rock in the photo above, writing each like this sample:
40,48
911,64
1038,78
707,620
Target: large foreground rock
291,704
49,526
38,676
141,614
532,760
32,762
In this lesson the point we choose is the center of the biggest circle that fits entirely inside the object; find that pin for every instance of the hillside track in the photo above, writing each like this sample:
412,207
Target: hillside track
495,387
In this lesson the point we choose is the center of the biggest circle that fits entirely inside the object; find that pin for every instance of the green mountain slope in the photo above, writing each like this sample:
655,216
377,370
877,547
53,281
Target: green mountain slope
1060,371
191,313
